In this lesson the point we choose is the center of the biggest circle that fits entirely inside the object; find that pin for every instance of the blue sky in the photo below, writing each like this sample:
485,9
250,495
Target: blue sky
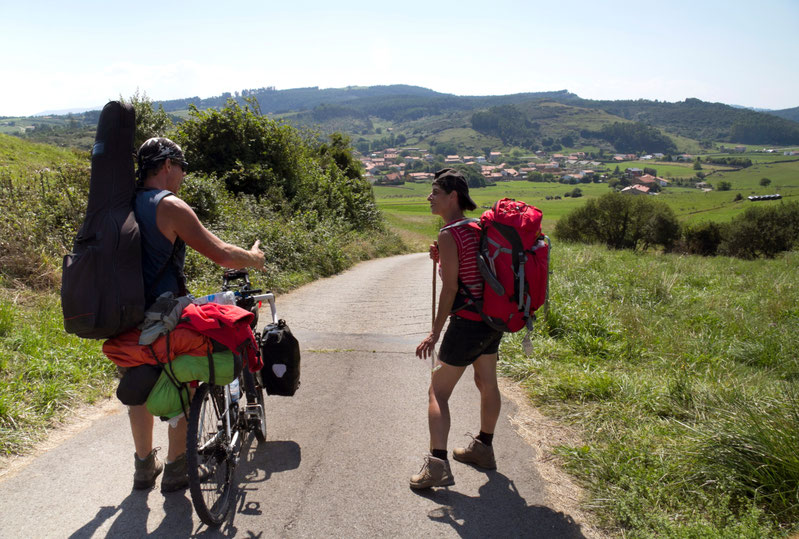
63,55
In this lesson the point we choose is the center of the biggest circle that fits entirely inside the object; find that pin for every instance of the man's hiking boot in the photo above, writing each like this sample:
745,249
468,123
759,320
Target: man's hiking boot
478,453
176,475
146,470
434,473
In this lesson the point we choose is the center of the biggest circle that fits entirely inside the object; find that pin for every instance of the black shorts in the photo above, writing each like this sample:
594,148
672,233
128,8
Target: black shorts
466,340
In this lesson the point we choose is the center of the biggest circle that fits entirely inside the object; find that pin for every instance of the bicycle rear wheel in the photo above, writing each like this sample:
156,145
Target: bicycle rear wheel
209,455
256,406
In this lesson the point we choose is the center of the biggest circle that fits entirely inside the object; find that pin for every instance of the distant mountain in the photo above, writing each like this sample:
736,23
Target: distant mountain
530,120
63,112
788,114
274,101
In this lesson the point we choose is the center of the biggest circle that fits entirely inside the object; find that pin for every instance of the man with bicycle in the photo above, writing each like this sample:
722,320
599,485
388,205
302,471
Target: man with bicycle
167,224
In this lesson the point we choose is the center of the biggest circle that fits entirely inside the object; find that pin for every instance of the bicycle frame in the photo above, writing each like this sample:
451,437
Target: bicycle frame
224,422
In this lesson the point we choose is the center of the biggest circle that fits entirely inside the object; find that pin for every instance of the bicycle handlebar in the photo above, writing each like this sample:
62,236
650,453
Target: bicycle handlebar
244,291
269,297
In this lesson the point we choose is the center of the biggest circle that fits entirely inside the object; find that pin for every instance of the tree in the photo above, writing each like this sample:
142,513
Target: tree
723,186
765,182
283,169
621,222
149,122
474,177
697,164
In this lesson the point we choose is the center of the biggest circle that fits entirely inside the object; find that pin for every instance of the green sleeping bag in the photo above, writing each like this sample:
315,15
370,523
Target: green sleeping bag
165,399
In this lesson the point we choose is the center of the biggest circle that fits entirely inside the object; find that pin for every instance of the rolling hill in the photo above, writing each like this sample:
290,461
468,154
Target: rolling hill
384,115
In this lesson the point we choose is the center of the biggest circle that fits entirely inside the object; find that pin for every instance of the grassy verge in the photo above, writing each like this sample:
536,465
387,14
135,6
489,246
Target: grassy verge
681,373
44,372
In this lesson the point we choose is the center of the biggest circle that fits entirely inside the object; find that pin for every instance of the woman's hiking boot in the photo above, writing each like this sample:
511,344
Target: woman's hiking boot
146,470
478,453
176,476
434,473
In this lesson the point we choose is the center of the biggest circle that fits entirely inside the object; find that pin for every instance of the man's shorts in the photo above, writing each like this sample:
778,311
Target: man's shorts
466,340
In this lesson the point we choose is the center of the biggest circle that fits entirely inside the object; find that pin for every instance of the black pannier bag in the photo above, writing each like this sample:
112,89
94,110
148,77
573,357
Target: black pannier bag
102,288
281,354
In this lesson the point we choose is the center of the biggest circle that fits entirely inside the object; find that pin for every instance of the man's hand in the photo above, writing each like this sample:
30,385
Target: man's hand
258,256
427,346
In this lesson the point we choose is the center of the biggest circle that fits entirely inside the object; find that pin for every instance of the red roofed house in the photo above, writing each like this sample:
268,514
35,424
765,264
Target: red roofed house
636,190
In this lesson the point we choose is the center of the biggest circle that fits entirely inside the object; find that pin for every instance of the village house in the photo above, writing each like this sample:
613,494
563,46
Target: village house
552,168
453,159
495,156
636,190
393,178
633,172
421,177
646,179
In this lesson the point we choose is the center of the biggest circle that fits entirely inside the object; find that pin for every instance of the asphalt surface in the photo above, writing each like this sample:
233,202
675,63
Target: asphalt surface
338,454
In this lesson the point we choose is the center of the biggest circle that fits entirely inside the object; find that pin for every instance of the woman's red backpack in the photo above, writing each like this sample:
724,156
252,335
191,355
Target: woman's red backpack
514,261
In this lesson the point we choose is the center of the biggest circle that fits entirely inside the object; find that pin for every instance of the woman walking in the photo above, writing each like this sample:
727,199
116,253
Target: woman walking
468,340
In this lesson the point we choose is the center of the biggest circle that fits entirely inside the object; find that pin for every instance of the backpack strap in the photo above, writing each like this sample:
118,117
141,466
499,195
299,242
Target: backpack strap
460,222
518,257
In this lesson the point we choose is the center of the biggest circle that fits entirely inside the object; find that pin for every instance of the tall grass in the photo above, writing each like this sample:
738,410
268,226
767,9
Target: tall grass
681,372
43,371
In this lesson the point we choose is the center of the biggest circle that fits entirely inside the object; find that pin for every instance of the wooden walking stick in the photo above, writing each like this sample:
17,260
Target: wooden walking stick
433,367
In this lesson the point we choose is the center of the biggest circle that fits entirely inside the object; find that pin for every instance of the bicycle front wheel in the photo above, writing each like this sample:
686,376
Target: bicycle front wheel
209,455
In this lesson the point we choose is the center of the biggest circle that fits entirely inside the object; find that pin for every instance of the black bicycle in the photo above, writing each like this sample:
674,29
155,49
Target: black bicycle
218,422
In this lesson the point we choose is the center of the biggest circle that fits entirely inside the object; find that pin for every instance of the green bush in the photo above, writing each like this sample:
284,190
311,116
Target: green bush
762,231
206,196
621,222
702,239
282,167
40,219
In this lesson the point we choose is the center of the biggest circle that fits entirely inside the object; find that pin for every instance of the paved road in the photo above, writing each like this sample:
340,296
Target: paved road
338,455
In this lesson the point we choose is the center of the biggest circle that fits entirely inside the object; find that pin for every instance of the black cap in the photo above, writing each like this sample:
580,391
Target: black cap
157,150
450,180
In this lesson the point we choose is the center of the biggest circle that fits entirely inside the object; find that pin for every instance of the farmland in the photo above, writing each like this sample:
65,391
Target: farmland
406,207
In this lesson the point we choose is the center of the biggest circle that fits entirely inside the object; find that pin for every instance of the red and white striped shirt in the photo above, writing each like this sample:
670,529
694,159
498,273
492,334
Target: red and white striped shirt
468,241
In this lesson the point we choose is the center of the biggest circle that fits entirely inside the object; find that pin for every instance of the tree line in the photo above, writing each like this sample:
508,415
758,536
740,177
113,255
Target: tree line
638,222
